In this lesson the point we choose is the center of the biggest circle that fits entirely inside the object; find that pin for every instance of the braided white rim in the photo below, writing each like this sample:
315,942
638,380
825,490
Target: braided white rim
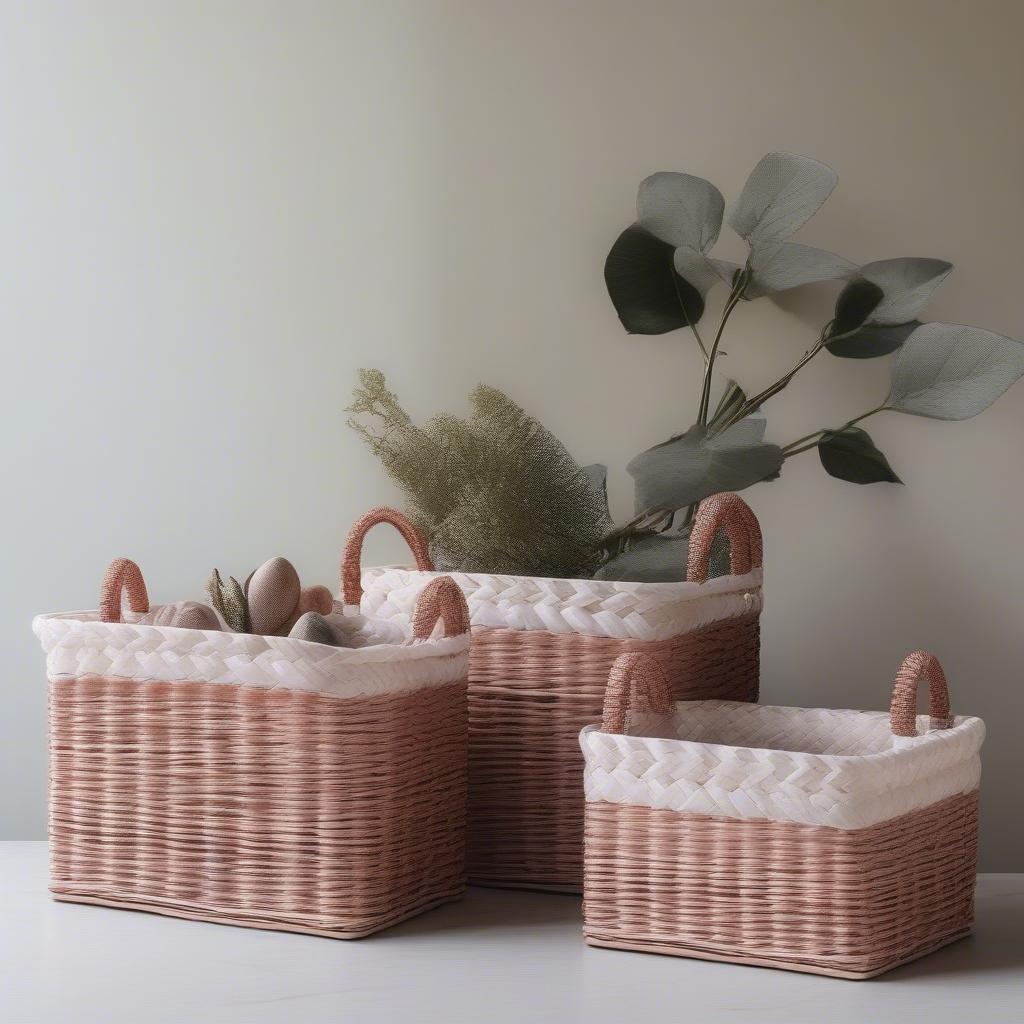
79,644
815,766
641,611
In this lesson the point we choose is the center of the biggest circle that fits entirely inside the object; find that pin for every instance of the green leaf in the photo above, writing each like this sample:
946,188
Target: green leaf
657,559
953,372
907,284
872,340
850,454
680,209
855,304
779,267
685,469
782,193
648,294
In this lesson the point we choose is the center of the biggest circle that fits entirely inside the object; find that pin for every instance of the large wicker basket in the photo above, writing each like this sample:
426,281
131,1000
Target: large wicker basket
257,780
832,842
540,657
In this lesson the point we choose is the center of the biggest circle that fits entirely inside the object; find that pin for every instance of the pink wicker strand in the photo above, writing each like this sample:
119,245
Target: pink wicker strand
730,513
122,576
636,682
351,556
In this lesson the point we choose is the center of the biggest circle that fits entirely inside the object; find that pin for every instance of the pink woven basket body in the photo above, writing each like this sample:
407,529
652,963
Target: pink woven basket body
531,691
265,805
846,902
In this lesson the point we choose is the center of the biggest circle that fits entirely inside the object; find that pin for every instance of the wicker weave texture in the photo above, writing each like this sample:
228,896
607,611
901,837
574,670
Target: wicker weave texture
780,894
530,693
270,808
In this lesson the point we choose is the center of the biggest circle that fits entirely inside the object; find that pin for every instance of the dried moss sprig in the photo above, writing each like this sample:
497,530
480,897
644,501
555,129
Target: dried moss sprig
496,492
230,601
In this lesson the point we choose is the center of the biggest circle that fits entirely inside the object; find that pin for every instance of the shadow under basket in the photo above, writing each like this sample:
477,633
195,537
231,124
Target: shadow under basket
539,662
819,840
298,787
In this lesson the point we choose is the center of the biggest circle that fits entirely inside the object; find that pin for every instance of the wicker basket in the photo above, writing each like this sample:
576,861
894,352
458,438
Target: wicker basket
257,780
832,842
541,653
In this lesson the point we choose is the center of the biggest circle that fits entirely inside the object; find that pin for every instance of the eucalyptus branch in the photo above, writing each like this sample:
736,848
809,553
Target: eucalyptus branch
734,297
689,322
798,446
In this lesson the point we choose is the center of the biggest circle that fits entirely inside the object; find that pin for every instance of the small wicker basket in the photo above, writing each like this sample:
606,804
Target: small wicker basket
831,842
257,780
541,652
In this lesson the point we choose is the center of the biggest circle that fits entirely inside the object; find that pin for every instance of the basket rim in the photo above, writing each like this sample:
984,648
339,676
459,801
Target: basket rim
962,727
680,590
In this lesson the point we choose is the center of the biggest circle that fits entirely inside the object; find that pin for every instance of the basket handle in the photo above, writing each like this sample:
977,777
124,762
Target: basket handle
122,575
352,553
903,707
731,513
440,599
636,681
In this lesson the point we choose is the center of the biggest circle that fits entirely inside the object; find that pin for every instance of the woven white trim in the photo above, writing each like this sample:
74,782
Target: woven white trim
641,611
815,766
79,644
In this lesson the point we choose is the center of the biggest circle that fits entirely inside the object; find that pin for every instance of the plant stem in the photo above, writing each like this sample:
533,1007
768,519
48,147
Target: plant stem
797,446
689,322
734,297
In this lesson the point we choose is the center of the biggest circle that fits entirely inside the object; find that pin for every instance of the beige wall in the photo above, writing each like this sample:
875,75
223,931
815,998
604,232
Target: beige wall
212,214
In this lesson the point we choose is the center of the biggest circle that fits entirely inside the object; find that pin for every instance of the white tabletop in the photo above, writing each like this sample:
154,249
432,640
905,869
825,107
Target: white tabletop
496,957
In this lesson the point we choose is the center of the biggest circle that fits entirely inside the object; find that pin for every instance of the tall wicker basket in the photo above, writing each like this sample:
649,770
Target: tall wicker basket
831,842
257,780
541,653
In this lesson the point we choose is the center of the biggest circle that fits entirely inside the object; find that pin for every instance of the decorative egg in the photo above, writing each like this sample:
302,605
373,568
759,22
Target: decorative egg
273,592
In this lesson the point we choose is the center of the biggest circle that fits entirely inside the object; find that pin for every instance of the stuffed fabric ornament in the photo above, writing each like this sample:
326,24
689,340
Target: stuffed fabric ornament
183,614
277,600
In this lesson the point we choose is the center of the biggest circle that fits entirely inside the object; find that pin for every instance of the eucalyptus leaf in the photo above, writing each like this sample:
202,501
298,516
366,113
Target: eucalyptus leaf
850,454
872,340
953,372
648,295
856,302
907,284
725,270
782,193
680,209
781,266
657,559
685,469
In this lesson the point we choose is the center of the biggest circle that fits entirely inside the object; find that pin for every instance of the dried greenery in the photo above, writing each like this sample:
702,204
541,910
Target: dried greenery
229,599
496,492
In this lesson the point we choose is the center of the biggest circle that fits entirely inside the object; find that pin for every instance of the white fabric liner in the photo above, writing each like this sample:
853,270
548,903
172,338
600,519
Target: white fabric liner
814,766
641,611
80,644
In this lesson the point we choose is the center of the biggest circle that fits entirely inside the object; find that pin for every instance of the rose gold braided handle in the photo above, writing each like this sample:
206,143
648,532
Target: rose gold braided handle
122,575
440,599
903,708
352,553
636,682
731,513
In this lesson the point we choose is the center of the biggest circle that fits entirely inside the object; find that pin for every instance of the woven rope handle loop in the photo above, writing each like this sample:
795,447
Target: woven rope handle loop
728,512
635,683
440,599
123,575
352,554
903,709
